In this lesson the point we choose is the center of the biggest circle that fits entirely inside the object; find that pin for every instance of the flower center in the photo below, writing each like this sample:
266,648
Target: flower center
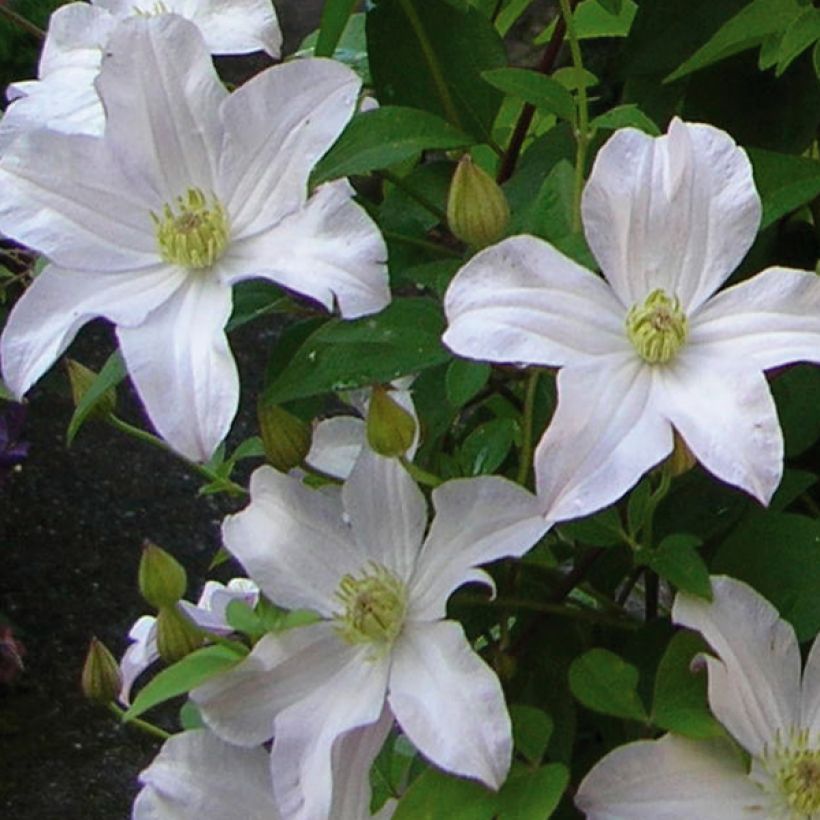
798,777
193,232
657,328
154,11
374,607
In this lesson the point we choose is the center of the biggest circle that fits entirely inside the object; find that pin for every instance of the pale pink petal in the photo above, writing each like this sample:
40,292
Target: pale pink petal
754,683
388,513
336,445
139,655
438,690
59,302
523,301
673,778
197,776
329,250
676,212
769,320
277,126
607,431
293,541
810,695
180,363
477,520
161,96
725,413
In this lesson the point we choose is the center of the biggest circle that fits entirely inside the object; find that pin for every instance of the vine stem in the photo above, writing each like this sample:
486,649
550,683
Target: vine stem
419,475
144,725
22,22
526,442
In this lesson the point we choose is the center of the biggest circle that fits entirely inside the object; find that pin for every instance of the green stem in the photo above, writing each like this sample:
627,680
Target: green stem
419,475
526,422
432,64
421,243
144,725
582,127
395,179
21,21
143,435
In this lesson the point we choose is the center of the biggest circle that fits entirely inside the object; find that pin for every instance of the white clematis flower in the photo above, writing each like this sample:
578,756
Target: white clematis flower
197,776
649,349
360,559
210,612
64,97
190,191
757,692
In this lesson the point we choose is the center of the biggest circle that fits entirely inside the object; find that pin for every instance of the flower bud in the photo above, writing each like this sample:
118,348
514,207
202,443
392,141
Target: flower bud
81,378
477,209
177,635
285,437
101,680
681,459
390,428
162,579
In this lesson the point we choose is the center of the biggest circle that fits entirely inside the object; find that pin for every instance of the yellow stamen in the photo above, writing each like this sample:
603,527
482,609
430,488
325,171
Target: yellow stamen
657,328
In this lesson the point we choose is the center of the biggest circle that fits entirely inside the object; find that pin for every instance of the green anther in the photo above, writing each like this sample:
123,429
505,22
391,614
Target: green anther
374,607
194,233
657,328
156,9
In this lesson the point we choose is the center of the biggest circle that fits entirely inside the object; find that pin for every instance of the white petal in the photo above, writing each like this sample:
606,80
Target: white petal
478,520
293,542
810,696
76,38
523,301
724,411
438,688
64,195
197,776
210,611
139,655
277,126
329,250
336,445
671,779
353,756
387,512
769,320
241,704
179,361
676,212
59,302
161,96
754,684
607,431
305,733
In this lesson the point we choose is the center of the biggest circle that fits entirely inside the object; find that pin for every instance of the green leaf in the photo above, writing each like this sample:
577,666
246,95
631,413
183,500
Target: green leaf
404,338
745,30
638,505
797,395
484,450
254,299
573,78
600,530
606,683
528,795
429,54
677,560
784,182
380,138
189,716
793,484
532,729
335,14
612,6
626,116
535,88
464,379
803,32
112,373
509,14
350,48
192,671
679,703
779,555
549,214
434,795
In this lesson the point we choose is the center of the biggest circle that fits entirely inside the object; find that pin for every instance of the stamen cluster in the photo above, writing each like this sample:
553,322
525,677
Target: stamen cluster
657,328
795,770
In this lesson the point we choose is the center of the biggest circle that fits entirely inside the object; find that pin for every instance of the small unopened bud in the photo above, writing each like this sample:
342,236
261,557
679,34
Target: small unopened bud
162,579
681,459
177,635
101,680
477,210
285,437
81,378
390,428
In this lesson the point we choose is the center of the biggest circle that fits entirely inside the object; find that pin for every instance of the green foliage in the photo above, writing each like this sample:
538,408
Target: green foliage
606,683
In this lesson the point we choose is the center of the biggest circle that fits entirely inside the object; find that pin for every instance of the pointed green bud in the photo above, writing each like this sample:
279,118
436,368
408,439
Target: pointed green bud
285,437
162,579
81,378
477,209
177,634
681,459
390,428
101,680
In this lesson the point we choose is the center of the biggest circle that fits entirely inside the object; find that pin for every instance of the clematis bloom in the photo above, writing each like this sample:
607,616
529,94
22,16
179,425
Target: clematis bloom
360,559
649,348
190,190
757,692
64,98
